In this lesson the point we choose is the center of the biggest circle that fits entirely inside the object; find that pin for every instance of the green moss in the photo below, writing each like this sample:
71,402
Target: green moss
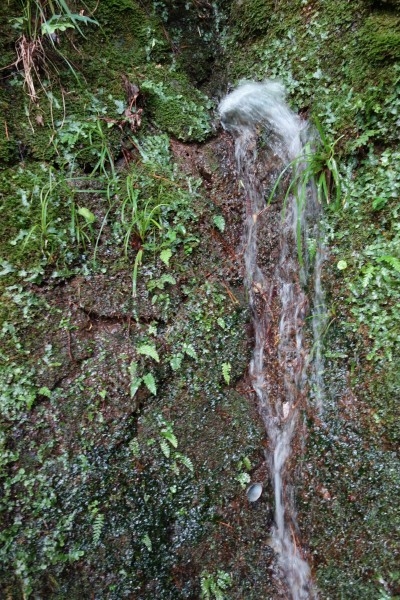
251,18
380,38
176,106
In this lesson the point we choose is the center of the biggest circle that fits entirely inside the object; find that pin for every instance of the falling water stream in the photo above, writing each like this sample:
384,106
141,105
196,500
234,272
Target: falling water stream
278,301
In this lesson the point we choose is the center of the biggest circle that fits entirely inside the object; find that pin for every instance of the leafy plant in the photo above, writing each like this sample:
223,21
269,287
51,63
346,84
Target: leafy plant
148,350
214,586
219,222
136,381
86,141
226,372
39,26
315,166
98,521
139,219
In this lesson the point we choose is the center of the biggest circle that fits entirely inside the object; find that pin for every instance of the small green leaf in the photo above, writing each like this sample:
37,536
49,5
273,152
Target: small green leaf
86,214
165,256
171,437
219,222
226,372
97,527
135,380
147,542
134,447
221,322
148,350
189,350
247,463
150,383
342,265
390,260
185,460
243,479
44,391
176,362
166,450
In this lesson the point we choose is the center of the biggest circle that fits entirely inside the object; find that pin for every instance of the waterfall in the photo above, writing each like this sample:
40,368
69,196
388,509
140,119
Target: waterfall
269,136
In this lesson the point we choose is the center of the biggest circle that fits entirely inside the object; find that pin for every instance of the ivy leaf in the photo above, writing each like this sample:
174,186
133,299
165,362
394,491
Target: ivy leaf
148,350
150,383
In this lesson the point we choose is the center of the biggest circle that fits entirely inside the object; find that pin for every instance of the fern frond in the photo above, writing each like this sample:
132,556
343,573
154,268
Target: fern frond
148,350
166,450
185,460
189,350
171,437
150,383
390,260
98,525
226,372
368,274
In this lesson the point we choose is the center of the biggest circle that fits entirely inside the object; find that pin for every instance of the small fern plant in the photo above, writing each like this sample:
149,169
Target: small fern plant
214,586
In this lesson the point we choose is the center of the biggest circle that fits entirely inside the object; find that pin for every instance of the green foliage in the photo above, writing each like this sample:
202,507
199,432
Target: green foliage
219,222
244,479
98,521
148,350
182,114
161,282
147,542
226,372
86,141
165,256
37,44
169,435
136,380
375,277
380,37
150,383
215,586
315,166
252,18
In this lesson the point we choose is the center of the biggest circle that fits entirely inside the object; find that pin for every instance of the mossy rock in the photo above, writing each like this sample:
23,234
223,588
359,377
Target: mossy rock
380,38
252,17
175,106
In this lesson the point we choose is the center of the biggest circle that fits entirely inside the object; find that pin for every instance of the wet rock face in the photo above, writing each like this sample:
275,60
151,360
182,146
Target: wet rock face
153,485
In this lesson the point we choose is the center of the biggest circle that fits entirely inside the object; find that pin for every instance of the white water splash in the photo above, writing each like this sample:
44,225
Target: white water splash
252,110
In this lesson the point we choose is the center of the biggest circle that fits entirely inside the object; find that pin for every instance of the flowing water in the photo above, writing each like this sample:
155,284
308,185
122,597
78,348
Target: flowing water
269,136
